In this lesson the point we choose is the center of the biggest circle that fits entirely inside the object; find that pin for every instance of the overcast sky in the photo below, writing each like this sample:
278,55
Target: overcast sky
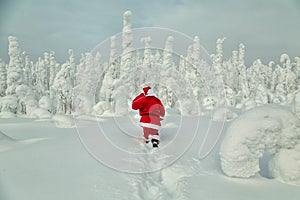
268,28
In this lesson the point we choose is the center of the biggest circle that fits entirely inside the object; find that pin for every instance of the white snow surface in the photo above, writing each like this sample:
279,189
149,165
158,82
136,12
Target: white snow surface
269,129
58,166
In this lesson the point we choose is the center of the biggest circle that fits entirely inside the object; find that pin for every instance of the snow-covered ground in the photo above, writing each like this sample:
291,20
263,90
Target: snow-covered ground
42,161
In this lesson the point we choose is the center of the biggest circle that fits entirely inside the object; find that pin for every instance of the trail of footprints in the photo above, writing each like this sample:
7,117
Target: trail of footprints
167,183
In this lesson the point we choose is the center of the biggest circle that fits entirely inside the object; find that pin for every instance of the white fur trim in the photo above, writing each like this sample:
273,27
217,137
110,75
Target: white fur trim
156,137
148,125
150,93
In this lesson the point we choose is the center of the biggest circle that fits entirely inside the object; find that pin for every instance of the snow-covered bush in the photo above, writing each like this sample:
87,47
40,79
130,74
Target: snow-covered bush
223,114
40,113
9,104
27,101
209,102
45,103
101,108
249,104
263,129
188,107
63,121
121,101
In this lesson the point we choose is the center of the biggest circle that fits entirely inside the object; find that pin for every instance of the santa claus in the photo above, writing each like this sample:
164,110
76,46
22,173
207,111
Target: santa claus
152,112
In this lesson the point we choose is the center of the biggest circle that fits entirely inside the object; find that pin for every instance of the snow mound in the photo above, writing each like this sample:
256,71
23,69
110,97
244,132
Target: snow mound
89,118
222,114
62,121
40,113
285,165
264,129
7,115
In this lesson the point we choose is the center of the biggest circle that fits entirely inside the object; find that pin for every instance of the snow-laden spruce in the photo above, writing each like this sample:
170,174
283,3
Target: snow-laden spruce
3,78
270,129
15,66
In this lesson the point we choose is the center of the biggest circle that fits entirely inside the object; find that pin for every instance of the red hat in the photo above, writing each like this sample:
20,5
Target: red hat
146,89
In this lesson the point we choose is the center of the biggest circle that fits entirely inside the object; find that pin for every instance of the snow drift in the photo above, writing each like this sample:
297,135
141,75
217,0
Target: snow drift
8,143
5,142
269,129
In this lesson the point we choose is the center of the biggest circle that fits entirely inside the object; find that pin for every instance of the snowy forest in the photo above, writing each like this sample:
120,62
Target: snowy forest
45,87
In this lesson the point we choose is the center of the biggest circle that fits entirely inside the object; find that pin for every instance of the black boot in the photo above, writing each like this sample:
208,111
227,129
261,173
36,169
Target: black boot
155,143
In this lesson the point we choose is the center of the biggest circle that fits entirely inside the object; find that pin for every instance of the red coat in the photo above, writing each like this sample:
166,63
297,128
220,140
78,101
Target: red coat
151,110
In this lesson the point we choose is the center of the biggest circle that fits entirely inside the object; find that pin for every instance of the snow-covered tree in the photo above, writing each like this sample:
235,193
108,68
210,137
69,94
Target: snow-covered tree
63,90
297,67
296,104
72,65
41,82
99,71
231,72
168,53
261,94
15,67
127,38
52,68
46,61
9,104
157,57
230,97
218,58
113,50
80,78
26,99
243,89
85,90
241,58
196,69
112,70
3,78
289,76
182,65
115,62
166,70
107,86
147,59
27,69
